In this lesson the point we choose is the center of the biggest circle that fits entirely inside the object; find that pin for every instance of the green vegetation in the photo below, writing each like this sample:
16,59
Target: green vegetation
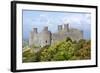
25,43
60,51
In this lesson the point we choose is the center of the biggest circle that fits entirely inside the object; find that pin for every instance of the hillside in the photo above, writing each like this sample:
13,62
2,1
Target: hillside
60,51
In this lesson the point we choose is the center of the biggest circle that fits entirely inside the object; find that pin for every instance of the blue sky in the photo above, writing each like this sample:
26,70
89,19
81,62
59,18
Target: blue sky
39,19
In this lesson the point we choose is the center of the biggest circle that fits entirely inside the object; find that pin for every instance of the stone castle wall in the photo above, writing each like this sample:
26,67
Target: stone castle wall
47,38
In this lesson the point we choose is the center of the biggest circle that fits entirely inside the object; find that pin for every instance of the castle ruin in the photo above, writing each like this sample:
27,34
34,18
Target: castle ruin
46,37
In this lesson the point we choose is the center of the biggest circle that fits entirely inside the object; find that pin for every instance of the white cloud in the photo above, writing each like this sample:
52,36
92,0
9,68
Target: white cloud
78,20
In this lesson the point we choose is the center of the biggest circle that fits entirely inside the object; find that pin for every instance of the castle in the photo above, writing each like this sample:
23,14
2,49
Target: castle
46,37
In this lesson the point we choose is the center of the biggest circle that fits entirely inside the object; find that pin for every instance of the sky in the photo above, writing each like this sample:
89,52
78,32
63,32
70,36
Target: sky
39,19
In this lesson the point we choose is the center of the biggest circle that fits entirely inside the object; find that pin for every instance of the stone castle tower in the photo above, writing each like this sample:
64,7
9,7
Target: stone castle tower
45,37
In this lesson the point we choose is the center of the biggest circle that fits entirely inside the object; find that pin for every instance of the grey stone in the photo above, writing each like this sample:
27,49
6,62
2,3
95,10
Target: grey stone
45,37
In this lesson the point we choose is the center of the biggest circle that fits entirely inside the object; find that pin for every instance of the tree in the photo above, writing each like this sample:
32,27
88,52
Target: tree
60,51
29,56
68,39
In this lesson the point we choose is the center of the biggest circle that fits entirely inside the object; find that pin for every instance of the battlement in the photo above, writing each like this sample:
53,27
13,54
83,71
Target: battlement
60,28
66,27
35,30
45,28
63,27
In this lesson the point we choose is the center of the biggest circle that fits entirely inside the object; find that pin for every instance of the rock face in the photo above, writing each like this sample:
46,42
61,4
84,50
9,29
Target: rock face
45,37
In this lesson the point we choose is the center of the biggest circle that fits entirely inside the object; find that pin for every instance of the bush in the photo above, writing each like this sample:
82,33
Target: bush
60,51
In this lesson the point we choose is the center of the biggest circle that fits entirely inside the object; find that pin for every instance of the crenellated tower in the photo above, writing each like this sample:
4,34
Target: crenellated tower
60,27
66,27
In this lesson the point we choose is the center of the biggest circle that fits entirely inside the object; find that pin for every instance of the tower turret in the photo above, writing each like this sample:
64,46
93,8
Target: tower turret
35,30
66,27
59,27
45,28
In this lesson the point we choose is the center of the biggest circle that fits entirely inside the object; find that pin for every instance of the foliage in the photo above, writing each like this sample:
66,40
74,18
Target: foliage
25,43
29,56
60,51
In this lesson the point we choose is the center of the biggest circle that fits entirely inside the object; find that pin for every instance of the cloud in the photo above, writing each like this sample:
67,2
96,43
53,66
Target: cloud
39,19
77,20
46,19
